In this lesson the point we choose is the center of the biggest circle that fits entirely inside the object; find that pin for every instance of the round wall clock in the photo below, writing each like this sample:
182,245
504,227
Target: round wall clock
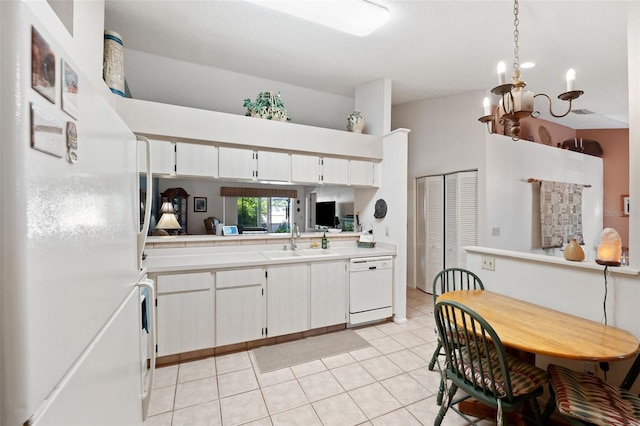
380,209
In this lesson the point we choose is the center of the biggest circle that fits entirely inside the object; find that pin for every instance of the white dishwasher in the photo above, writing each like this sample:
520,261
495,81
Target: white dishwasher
370,289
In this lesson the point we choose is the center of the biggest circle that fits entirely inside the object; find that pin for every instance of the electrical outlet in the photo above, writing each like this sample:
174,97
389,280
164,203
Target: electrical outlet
489,263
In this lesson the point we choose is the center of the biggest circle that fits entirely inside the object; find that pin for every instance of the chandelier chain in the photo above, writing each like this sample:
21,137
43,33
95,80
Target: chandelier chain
516,35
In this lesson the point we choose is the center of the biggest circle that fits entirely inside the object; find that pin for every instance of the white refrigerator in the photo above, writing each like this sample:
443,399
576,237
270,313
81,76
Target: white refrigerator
72,348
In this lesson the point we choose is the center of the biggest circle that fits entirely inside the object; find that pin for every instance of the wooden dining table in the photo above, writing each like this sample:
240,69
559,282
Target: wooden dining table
531,329
538,330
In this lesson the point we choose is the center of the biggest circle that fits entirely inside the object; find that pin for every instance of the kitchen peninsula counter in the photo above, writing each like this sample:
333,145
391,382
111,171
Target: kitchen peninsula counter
205,252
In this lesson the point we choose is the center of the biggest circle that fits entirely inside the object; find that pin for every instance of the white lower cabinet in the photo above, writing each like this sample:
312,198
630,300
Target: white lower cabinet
287,299
185,312
239,306
328,294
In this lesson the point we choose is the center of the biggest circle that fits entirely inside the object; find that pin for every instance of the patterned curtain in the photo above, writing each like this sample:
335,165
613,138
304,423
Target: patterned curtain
560,213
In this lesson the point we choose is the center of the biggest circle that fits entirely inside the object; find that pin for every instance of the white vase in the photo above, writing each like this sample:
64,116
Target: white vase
113,62
355,122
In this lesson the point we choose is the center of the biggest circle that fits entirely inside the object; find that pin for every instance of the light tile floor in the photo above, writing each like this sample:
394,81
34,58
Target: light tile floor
387,383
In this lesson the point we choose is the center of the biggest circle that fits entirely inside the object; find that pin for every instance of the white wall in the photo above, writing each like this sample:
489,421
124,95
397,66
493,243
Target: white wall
160,79
393,227
441,143
513,205
445,137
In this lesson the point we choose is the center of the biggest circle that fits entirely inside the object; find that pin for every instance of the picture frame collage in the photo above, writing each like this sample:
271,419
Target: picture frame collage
50,134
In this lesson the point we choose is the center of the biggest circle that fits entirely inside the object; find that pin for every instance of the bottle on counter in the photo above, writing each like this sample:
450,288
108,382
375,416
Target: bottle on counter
324,241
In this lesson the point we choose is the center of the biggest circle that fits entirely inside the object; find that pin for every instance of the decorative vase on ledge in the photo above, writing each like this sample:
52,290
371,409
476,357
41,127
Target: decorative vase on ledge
355,122
268,105
573,251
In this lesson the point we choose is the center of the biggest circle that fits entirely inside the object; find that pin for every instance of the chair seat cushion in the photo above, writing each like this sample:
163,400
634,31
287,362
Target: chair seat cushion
590,399
525,377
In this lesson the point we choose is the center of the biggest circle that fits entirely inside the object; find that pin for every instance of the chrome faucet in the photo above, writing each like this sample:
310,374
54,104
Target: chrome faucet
295,232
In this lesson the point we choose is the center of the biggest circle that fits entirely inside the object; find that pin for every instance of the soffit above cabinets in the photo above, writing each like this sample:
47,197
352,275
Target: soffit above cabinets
176,123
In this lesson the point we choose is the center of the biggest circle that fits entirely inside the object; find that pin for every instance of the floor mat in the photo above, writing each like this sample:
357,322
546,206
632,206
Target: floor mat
274,357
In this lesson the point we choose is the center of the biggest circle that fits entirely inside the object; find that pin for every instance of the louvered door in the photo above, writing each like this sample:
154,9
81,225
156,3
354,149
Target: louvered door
434,196
461,213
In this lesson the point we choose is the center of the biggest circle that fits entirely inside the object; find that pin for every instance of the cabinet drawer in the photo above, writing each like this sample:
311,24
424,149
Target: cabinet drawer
184,282
240,278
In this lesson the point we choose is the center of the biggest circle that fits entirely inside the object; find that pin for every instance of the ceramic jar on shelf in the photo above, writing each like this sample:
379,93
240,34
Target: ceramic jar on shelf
113,62
573,251
355,122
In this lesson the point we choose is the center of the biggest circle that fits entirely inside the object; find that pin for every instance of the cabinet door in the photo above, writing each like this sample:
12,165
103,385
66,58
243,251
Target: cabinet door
328,294
196,160
362,173
335,171
237,163
274,166
162,157
239,306
305,168
239,315
287,299
185,313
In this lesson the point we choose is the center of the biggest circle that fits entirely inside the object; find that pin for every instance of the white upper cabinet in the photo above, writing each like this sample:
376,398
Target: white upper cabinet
306,168
335,171
196,160
363,173
162,157
236,163
274,166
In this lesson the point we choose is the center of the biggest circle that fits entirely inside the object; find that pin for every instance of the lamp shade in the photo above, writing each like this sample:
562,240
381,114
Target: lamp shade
610,248
168,221
167,207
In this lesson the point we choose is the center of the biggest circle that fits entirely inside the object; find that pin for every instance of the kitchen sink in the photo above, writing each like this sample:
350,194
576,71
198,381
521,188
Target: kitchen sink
287,254
281,254
315,252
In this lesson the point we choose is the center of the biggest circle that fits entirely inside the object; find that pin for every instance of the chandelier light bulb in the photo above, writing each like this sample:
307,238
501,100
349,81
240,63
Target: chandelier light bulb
571,78
502,73
486,103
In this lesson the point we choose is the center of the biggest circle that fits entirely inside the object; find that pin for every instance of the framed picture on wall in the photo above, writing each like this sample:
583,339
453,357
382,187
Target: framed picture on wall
199,204
625,204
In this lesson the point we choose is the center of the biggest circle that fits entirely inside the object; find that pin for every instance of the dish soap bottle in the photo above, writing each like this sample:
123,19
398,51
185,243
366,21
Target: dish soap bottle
324,240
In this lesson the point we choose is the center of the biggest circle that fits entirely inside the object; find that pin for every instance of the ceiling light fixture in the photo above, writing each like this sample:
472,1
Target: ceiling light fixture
356,17
515,102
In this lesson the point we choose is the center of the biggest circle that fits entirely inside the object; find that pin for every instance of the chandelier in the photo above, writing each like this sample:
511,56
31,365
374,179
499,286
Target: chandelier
515,101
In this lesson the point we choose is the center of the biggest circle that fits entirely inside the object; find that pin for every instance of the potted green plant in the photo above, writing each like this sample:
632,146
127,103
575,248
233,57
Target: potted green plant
268,105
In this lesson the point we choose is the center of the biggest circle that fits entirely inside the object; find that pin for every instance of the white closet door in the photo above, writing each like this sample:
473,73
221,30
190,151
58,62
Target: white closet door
451,221
421,234
467,214
434,196
461,217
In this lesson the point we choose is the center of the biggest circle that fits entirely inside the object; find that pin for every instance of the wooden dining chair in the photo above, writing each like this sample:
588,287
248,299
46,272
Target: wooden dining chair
448,280
583,399
477,364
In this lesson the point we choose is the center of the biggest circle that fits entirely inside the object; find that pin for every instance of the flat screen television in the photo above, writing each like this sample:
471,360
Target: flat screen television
326,213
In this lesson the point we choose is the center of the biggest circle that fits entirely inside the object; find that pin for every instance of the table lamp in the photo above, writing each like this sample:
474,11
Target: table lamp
610,248
168,219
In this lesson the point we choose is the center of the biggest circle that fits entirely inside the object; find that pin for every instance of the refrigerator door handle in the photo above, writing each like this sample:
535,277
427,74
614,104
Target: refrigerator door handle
142,235
146,394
